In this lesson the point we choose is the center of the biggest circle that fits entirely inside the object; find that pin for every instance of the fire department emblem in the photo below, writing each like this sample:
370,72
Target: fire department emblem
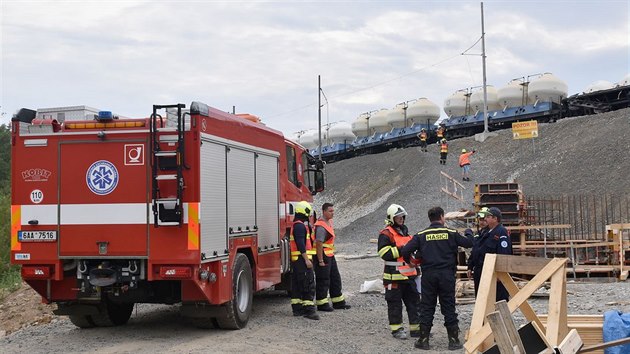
102,177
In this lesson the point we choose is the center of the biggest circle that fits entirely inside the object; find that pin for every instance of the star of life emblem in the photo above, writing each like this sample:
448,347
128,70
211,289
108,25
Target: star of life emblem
102,177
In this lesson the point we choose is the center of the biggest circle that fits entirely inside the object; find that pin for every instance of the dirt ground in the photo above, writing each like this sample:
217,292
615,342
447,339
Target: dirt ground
23,308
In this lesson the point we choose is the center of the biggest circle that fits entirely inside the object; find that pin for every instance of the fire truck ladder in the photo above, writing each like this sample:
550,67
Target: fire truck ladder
167,211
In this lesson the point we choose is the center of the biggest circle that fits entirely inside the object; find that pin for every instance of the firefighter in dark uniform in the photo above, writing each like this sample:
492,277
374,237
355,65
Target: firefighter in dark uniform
438,246
302,277
398,275
482,229
327,277
495,240
443,151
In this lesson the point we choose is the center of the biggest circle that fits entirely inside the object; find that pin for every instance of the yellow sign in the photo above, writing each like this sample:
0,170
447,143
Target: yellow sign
525,130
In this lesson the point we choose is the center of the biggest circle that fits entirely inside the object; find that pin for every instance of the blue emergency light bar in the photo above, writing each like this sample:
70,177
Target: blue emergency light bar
104,115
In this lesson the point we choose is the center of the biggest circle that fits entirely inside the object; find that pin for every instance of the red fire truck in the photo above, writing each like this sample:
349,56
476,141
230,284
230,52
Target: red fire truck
186,206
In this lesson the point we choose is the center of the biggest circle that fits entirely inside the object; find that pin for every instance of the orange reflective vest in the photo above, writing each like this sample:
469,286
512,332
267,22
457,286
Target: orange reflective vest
295,252
464,159
423,136
444,147
440,133
402,270
329,244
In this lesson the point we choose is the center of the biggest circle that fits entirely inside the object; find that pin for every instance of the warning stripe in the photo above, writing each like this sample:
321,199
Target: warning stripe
193,226
15,227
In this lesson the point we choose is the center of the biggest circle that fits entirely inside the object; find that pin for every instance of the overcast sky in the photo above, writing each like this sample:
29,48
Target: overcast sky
264,57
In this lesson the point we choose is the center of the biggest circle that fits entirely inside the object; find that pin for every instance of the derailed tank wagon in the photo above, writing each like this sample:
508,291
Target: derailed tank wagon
195,210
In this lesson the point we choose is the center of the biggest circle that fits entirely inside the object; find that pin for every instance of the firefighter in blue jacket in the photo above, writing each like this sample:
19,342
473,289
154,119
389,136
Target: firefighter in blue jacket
438,246
482,229
398,276
495,240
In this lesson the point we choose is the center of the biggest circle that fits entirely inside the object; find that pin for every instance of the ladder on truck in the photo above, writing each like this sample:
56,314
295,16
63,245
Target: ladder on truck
167,151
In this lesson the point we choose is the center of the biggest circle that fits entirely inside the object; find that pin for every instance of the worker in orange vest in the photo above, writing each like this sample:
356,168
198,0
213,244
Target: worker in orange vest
440,132
423,139
302,277
464,163
327,277
399,277
443,151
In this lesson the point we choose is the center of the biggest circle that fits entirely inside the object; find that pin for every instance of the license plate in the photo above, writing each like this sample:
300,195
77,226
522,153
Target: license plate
37,236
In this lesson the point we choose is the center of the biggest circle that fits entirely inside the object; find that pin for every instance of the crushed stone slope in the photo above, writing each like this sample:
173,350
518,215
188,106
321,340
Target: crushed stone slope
580,155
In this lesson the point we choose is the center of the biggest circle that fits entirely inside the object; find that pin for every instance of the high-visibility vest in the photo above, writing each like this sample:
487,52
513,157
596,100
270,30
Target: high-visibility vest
444,147
329,244
464,159
423,136
440,133
402,270
295,252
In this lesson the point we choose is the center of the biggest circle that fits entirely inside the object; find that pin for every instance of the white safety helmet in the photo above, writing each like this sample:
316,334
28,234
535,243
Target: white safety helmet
393,211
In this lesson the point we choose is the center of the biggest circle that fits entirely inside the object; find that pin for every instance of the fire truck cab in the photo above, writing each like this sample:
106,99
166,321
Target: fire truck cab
189,207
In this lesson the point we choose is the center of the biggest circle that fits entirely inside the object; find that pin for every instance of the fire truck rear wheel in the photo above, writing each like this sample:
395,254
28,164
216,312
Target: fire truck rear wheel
113,314
240,308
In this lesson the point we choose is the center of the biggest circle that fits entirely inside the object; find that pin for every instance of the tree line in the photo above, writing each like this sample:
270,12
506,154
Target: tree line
5,200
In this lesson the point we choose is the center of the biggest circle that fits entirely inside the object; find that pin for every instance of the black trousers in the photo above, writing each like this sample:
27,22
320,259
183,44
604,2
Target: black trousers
443,156
402,291
438,283
423,144
302,286
502,293
327,279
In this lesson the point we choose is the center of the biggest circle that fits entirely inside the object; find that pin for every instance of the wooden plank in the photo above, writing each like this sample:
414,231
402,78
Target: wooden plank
541,226
500,332
512,332
525,307
571,343
482,308
480,335
557,316
520,264
613,343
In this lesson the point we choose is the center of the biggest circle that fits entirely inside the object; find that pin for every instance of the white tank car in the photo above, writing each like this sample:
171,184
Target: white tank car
378,121
512,95
339,133
455,104
599,85
308,139
476,99
625,81
547,88
396,116
360,125
422,111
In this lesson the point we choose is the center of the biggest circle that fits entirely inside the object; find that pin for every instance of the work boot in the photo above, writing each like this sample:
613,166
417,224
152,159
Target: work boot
341,305
414,334
325,308
453,338
297,310
423,340
311,314
399,333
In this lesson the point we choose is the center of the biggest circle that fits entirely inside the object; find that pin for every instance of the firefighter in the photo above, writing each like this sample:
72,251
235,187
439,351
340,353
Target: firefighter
423,139
327,277
398,276
443,151
464,163
482,229
302,277
495,240
438,246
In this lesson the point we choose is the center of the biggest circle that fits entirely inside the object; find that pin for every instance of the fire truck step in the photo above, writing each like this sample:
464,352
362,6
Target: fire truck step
166,153
165,177
167,200
168,223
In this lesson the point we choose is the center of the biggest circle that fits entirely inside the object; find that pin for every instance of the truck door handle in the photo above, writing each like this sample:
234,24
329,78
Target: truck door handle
33,222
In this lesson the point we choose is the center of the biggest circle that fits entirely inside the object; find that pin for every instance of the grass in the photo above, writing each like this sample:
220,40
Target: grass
10,280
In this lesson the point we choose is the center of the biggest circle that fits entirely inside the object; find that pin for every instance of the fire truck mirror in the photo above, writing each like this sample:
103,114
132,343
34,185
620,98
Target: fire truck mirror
315,180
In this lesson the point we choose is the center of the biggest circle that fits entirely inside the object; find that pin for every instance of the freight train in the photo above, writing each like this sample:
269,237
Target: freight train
541,97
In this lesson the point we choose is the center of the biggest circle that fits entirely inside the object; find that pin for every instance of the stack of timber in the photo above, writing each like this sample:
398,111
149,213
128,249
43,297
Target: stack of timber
589,327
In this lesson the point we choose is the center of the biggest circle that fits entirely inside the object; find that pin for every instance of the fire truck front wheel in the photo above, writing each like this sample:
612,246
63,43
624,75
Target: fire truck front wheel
239,308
